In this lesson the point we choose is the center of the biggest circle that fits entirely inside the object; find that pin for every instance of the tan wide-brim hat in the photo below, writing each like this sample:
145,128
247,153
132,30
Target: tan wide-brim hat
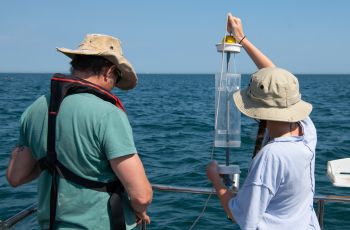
110,48
272,94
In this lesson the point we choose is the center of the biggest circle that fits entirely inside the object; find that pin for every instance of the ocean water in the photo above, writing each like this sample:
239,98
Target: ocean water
173,118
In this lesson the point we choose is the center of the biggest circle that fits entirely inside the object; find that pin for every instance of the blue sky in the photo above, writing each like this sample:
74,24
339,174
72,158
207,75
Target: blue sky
303,36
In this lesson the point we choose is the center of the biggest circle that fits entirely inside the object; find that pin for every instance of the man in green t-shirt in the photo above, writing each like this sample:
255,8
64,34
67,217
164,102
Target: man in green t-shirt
93,139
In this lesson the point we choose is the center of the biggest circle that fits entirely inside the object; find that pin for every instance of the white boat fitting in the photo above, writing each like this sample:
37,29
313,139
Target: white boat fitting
338,171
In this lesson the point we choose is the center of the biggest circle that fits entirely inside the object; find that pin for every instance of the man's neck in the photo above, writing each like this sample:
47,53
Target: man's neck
93,78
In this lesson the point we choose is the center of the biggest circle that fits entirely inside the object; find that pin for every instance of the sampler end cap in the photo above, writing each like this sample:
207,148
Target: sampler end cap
228,47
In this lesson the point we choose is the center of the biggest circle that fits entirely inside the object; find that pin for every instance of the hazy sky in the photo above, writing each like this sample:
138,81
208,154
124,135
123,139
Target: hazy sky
179,36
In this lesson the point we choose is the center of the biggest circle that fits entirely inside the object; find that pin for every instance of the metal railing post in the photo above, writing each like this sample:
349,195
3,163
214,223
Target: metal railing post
320,212
143,225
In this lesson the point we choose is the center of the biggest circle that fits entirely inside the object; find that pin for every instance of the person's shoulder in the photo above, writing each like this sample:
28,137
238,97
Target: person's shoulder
268,161
308,125
310,133
265,166
272,152
95,100
270,149
39,105
42,101
93,104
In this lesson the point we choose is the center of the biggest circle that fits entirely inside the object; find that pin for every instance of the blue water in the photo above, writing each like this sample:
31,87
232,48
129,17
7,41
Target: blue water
172,118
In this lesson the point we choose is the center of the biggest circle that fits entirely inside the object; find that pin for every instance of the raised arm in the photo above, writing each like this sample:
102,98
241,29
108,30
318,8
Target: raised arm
234,26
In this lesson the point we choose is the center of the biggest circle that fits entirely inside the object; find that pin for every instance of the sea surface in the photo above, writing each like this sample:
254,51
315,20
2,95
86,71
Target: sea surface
173,120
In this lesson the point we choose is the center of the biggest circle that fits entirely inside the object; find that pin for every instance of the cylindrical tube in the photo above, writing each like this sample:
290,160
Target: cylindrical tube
230,176
227,116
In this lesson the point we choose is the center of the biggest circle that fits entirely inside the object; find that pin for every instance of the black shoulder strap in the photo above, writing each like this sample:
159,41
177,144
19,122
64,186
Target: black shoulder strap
61,87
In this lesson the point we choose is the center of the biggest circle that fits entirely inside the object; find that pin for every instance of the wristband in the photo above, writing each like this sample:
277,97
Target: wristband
241,40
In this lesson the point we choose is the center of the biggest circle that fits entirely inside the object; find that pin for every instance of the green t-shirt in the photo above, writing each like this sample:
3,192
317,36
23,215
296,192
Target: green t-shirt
89,132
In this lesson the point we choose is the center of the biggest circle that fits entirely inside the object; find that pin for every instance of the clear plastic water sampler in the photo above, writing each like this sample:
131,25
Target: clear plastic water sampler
227,116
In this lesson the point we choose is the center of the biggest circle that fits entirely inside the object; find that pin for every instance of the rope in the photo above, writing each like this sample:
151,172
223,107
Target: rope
202,213
209,196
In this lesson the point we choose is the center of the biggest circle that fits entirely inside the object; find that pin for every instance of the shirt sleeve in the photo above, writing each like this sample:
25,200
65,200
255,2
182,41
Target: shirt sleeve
116,133
264,177
249,205
310,135
22,139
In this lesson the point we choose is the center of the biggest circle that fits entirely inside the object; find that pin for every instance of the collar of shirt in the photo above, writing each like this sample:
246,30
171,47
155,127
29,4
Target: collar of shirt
287,139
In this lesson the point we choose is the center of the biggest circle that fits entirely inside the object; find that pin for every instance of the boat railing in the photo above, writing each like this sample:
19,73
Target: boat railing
319,199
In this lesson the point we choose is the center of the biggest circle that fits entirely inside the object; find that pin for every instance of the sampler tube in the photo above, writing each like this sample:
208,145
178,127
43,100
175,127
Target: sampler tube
227,116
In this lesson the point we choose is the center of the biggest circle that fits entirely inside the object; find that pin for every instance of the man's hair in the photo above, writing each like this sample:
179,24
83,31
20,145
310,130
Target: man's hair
87,63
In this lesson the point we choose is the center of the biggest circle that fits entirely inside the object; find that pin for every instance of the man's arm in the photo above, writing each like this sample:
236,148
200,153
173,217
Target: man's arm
22,167
234,25
131,173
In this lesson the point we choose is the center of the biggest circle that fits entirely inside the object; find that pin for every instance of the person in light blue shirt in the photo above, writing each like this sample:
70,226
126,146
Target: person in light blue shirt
279,188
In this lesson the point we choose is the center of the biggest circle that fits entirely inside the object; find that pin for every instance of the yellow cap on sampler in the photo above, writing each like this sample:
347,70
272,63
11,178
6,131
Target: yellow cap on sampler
229,39
228,44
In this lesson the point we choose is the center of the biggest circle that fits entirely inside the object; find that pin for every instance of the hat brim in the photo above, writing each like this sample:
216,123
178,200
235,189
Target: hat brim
129,77
258,110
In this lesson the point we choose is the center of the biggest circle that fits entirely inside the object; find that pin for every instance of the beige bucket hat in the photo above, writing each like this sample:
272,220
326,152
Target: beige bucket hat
110,48
272,94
